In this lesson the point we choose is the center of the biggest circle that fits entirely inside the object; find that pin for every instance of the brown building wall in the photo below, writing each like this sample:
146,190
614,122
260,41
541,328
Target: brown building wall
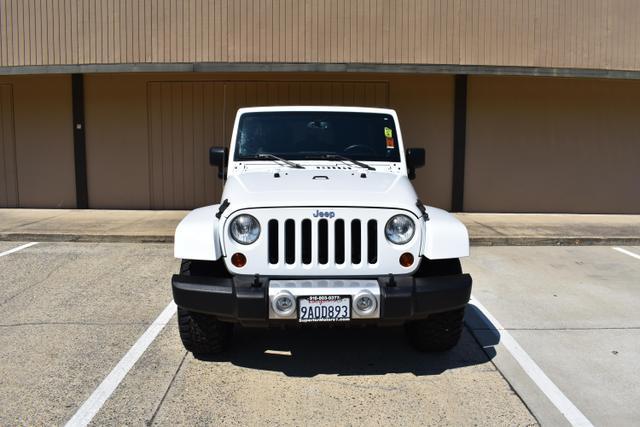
553,145
8,167
148,134
533,144
42,161
187,117
117,141
425,110
599,34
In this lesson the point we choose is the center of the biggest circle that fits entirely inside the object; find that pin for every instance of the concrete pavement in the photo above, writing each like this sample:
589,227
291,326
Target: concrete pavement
575,311
159,226
316,377
69,313
72,310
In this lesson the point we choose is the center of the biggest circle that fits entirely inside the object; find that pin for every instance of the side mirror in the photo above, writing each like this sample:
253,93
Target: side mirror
416,158
218,157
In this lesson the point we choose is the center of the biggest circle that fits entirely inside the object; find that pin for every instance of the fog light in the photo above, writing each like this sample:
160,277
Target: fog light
364,303
238,260
406,259
284,303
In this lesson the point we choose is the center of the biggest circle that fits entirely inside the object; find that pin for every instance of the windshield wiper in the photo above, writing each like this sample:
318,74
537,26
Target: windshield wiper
348,159
264,156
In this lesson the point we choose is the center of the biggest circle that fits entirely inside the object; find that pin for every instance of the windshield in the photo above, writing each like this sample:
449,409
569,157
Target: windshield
304,135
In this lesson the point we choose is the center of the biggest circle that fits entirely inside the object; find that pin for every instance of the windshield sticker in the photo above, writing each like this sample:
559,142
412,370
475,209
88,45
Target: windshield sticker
388,134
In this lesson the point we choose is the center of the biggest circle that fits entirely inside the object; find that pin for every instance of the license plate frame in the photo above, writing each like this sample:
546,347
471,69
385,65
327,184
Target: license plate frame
343,300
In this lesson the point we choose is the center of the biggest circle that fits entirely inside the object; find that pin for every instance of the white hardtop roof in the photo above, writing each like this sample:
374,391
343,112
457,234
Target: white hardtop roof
327,108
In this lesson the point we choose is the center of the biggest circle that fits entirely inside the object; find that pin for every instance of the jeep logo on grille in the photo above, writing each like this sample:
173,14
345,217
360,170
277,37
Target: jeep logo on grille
325,214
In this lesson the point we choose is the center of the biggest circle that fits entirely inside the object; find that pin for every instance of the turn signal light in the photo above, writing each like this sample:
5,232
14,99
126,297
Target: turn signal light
406,259
238,260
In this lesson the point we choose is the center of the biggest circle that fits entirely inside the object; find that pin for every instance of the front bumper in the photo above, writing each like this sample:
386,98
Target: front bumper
245,299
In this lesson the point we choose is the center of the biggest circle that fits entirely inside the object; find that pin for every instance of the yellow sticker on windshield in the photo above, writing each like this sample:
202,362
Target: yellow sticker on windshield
388,133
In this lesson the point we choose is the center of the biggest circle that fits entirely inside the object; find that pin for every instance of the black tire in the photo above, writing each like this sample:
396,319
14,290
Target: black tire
439,331
202,334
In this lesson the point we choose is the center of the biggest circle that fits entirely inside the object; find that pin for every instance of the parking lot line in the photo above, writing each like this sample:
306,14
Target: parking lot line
533,371
92,405
19,248
626,252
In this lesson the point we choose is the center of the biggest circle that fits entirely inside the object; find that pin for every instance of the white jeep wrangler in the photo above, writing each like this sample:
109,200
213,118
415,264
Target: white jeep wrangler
319,224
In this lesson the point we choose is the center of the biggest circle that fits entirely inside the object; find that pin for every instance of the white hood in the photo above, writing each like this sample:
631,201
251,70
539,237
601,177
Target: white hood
319,187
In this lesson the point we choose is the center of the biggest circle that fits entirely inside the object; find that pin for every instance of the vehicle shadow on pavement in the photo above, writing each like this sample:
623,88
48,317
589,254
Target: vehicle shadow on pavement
346,351
484,332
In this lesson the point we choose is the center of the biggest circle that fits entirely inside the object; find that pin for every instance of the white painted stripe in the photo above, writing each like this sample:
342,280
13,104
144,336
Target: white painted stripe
19,248
92,405
626,252
553,393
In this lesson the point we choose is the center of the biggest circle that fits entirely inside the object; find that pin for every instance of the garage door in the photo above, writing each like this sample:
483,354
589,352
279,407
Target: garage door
186,118
8,170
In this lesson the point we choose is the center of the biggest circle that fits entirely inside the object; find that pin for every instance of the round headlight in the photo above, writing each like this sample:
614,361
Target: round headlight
245,229
399,229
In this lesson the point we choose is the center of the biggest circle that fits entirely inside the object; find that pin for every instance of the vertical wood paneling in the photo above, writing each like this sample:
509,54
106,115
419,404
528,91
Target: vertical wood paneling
183,124
8,168
4,34
165,146
186,118
154,121
543,33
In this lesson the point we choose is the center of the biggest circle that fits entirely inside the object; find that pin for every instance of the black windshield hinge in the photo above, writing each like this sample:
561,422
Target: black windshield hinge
422,209
223,207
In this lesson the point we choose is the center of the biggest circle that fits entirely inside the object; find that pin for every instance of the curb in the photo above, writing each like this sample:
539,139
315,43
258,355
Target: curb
554,241
85,238
474,241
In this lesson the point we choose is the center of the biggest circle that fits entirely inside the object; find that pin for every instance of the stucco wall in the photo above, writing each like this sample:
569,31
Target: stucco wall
553,145
43,132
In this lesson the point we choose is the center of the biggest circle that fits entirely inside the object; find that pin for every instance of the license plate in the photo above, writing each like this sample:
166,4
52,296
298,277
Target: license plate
324,308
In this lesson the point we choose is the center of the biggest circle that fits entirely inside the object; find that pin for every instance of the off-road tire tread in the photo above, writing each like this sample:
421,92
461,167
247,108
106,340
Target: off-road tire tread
202,334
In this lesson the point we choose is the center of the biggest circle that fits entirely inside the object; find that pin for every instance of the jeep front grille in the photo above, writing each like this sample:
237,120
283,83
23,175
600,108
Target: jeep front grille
323,241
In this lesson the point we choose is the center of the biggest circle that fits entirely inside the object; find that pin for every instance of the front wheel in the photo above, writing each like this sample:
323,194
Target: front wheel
203,335
438,332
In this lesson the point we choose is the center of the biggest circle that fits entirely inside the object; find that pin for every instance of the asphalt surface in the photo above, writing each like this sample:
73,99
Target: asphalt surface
72,310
